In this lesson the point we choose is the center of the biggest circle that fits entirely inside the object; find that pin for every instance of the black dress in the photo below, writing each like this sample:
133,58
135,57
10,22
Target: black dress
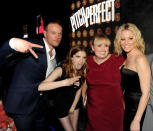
65,97
132,93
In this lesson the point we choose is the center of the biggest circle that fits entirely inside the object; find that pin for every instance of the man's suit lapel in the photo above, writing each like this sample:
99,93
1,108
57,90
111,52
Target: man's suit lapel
42,58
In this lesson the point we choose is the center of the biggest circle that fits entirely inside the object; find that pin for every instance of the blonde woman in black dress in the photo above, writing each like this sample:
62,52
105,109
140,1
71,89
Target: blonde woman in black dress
135,75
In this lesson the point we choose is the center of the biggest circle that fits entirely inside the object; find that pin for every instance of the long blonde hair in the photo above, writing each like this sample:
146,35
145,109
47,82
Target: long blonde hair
139,41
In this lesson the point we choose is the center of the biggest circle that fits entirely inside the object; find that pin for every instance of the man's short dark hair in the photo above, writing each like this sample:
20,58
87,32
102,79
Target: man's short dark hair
53,22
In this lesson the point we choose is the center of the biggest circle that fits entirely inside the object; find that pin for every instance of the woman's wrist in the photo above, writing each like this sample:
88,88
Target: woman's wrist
136,119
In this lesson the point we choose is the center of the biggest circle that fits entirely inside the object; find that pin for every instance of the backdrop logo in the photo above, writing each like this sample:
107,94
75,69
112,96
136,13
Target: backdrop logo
101,12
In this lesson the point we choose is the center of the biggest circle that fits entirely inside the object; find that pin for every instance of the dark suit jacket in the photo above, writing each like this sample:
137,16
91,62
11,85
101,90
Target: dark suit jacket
23,95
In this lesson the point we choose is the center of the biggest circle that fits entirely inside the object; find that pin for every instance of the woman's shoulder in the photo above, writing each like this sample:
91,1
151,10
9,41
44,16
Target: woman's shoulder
90,58
140,58
117,59
63,69
117,56
58,69
141,62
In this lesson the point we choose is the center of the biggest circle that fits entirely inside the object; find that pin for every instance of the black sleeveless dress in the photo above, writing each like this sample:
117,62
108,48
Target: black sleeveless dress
65,97
132,93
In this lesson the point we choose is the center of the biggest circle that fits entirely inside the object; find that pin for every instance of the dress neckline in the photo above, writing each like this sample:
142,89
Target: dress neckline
123,67
102,62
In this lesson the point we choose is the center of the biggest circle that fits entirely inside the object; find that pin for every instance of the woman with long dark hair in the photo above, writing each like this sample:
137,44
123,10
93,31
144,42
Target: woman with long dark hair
70,77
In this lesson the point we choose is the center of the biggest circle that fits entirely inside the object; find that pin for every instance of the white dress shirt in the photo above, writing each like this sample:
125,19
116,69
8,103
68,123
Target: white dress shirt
51,61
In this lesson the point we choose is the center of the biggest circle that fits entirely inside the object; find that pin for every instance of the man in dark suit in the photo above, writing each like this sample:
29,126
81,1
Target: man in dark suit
32,64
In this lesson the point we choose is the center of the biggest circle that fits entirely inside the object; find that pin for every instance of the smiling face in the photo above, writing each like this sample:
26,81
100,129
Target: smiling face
127,41
101,48
79,59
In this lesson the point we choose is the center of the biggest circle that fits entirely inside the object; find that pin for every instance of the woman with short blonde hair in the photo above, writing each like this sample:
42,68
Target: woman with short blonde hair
135,74
139,41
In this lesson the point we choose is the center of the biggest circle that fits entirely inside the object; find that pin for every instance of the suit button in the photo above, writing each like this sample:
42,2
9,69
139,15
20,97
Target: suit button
41,94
